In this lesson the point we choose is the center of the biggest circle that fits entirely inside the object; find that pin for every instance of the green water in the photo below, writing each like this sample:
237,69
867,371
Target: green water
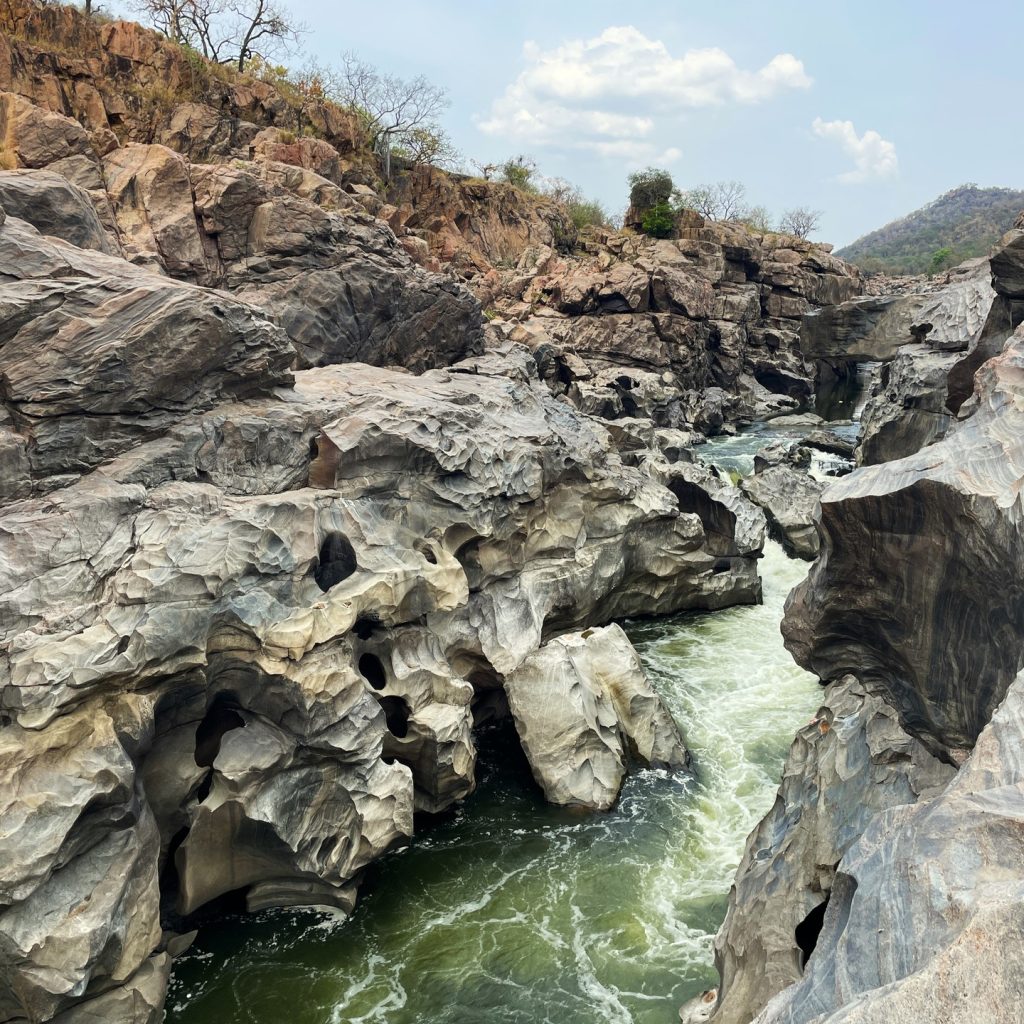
513,912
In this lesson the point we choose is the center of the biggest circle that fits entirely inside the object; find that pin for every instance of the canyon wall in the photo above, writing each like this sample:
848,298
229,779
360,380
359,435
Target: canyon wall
887,875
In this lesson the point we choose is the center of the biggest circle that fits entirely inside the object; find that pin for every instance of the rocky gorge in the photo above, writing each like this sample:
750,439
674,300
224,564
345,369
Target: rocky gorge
312,487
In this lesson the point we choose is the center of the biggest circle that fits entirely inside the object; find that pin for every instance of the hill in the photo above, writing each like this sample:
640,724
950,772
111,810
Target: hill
967,220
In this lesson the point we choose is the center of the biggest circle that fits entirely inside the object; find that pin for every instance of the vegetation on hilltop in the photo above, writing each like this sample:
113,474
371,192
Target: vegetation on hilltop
656,203
962,223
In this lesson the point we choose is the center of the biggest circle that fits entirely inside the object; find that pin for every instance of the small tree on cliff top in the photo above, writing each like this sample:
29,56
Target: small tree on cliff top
225,31
800,221
393,109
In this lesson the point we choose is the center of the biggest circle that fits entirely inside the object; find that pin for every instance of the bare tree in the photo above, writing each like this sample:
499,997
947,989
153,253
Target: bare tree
721,201
730,196
391,108
226,31
800,221
701,200
757,218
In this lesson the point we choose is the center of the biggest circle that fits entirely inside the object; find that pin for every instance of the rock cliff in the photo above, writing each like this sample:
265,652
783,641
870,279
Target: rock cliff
885,877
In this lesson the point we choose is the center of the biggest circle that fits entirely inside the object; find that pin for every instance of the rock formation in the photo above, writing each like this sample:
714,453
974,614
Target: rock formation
848,764
580,703
911,615
250,613
911,944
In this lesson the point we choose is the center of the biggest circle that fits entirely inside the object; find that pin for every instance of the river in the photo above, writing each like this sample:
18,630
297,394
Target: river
509,911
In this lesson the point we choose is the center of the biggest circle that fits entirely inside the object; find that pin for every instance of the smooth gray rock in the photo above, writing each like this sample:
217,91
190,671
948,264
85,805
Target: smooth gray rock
789,497
54,206
925,916
848,764
942,644
579,704
98,355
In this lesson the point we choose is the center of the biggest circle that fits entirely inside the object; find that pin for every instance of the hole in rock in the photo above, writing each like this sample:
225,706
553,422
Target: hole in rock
627,383
489,705
337,561
314,449
122,644
427,552
808,930
221,717
169,880
718,522
371,668
396,712
365,625
205,786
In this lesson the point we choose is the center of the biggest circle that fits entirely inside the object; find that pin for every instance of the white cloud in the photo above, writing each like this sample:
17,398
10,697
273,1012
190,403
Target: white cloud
601,93
873,156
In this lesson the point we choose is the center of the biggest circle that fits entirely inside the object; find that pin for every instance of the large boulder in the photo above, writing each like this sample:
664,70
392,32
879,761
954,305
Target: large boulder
581,704
789,497
54,206
99,355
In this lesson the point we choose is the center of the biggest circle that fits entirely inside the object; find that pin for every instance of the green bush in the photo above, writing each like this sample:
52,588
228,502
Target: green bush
519,171
585,213
659,221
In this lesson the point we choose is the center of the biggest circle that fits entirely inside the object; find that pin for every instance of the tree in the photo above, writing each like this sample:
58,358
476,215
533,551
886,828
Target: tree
428,145
519,171
757,218
582,212
649,187
392,109
225,31
800,221
722,200
941,259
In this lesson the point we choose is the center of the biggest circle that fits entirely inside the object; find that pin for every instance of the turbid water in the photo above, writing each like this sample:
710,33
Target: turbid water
514,912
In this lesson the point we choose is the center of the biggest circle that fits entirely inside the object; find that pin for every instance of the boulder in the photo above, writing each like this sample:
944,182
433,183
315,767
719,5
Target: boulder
151,194
54,206
98,355
579,703
789,497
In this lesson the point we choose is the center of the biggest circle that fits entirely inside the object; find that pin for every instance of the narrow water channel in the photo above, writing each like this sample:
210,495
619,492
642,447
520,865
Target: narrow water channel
514,912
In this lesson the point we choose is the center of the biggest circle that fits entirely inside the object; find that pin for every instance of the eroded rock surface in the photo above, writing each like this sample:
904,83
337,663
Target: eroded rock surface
943,644
581,703
788,495
848,764
289,594
926,908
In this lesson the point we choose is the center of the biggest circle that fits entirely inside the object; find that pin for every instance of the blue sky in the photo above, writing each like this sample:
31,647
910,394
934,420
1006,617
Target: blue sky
863,110
937,88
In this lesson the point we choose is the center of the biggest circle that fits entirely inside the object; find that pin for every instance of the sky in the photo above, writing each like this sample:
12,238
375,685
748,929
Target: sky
862,110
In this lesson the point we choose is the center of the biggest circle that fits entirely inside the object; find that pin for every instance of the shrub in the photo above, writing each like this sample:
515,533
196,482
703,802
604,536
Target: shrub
519,171
585,213
659,221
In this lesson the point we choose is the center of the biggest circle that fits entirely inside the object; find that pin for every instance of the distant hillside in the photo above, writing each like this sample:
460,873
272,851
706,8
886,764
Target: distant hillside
966,220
